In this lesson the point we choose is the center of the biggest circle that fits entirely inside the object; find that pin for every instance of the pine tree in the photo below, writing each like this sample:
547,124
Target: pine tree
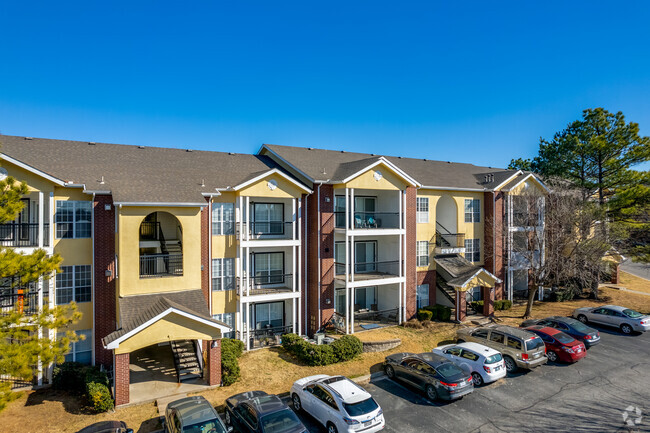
23,338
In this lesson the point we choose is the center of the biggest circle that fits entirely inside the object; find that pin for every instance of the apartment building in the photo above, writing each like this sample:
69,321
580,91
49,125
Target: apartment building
166,251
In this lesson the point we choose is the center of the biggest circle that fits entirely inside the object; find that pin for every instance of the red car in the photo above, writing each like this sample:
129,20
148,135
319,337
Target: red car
559,346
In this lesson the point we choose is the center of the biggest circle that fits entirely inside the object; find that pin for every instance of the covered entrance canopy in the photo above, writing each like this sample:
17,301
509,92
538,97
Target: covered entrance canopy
165,318
461,275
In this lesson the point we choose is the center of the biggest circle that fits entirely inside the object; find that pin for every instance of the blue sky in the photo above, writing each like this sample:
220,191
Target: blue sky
476,82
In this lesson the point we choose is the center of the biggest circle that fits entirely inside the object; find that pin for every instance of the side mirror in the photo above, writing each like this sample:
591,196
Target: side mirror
229,429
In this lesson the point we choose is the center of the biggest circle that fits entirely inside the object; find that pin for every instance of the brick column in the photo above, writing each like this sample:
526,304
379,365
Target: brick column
615,274
213,365
428,277
488,301
494,210
105,269
327,253
461,305
410,254
122,379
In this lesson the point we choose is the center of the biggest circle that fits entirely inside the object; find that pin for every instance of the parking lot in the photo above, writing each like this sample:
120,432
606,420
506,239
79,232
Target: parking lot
589,396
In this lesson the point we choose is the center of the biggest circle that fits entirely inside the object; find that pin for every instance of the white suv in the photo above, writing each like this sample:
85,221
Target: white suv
485,363
338,403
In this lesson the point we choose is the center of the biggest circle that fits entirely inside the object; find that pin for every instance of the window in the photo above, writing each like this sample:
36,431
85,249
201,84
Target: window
223,218
514,343
474,294
82,350
73,219
473,250
365,256
480,333
469,355
223,274
422,295
228,319
268,218
423,253
365,298
325,397
472,210
497,338
73,283
422,208
268,268
269,315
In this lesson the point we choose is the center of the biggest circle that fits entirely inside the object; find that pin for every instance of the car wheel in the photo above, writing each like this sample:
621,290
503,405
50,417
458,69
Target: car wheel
460,340
477,379
331,428
297,404
583,318
431,392
511,365
390,372
552,356
626,329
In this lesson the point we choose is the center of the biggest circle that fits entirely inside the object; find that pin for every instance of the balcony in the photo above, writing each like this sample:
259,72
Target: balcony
23,300
161,265
366,271
266,230
23,235
265,285
266,337
369,220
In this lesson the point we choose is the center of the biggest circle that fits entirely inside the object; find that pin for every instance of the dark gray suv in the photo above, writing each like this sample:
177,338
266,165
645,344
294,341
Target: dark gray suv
193,415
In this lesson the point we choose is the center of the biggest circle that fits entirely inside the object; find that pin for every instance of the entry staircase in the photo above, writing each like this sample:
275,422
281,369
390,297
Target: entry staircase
187,363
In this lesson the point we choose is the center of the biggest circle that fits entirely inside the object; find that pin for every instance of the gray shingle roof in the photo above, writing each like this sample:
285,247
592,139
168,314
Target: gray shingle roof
137,310
135,174
321,164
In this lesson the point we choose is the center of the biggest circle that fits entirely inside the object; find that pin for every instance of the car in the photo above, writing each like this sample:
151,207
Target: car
338,404
520,349
259,412
559,346
625,319
193,415
434,374
484,363
575,328
107,427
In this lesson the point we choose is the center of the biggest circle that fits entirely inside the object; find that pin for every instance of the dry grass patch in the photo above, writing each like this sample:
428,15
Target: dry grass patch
632,282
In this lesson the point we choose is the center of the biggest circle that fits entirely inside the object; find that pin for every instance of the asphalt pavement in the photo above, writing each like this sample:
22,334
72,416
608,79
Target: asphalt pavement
639,269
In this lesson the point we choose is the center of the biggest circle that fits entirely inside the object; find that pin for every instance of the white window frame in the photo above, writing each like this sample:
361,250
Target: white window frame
74,353
422,251
75,270
419,295
226,282
473,214
74,205
422,209
228,319
221,226
473,250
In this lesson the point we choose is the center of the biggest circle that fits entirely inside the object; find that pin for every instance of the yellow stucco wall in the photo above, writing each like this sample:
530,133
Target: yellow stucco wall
530,186
482,279
86,322
171,327
34,182
389,180
427,231
224,301
285,188
129,281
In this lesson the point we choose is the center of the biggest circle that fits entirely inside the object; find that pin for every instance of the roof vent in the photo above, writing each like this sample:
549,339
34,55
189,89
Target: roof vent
101,181
188,150
448,162
424,159
29,138
399,157
372,154
92,143
140,147
343,151
231,153
203,182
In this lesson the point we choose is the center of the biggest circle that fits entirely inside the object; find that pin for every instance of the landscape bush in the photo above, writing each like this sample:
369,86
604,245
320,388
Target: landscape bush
444,313
88,381
342,349
477,306
503,304
413,323
231,350
424,315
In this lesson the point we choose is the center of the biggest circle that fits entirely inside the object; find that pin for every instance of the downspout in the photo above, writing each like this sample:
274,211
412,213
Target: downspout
92,225
210,255
320,288
305,287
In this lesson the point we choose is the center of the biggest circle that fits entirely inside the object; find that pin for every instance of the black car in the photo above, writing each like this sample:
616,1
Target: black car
436,375
192,415
575,328
107,427
258,412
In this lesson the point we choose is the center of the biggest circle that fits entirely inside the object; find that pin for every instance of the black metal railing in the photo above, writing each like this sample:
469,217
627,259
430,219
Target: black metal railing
161,265
20,300
382,316
150,231
23,235
369,220
268,336
265,284
268,229
450,240
385,268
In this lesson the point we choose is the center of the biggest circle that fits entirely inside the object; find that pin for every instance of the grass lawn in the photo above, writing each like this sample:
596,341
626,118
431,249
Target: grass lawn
635,283
273,371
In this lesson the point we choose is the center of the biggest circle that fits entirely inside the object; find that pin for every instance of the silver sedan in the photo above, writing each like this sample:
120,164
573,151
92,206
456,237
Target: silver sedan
625,319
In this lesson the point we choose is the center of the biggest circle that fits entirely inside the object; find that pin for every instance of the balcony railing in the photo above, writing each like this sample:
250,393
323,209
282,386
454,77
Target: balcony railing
161,265
24,301
270,336
23,235
450,240
149,231
369,220
267,229
371,270
265,284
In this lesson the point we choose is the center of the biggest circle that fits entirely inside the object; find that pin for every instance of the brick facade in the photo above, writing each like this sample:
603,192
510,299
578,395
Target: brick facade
303,262
428,277
122,379
494,208
410,253
212,372
105,296
326,253
488,301
311,288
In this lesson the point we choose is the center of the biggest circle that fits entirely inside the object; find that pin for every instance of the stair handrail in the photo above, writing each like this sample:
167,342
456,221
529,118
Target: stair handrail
444,228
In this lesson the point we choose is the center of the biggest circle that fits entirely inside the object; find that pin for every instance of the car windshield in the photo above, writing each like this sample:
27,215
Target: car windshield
563,338
212,426
534,343
632,314
361,408
448,370
281,421
493,359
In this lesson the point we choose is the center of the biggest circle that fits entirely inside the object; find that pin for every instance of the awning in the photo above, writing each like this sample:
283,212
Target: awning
465,275
153,319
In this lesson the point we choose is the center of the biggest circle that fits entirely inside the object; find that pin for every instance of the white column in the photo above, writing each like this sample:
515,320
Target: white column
347,211
399,204
294,251
352,219
248,270
299,258
353,292
293,313
39,366
51,211
293,219
404,249
248,218
248,326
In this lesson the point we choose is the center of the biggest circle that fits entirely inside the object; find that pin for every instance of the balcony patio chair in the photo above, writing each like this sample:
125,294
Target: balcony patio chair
371,223
358,222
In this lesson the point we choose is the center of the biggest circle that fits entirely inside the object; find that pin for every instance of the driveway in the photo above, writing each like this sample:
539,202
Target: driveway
589,396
